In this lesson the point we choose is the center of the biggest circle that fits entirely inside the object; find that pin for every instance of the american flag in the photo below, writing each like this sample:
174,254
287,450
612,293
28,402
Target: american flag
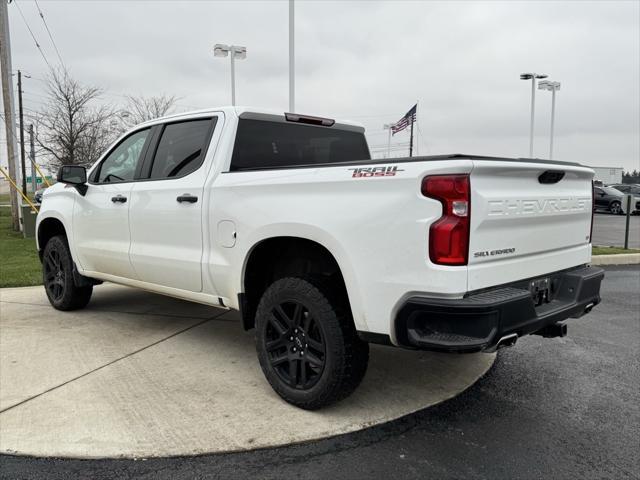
405,121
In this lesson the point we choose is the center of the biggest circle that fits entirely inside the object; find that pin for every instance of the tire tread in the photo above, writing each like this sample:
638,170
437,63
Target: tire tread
74,297
351,352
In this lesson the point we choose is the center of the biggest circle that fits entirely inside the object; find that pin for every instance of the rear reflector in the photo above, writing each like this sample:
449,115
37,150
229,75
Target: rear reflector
449,235
308,119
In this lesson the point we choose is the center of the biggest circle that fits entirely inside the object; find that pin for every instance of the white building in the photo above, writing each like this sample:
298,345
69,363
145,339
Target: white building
608,175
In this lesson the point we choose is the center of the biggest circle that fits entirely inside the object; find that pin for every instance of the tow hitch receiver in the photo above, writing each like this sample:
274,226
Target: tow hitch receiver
553,330
541,291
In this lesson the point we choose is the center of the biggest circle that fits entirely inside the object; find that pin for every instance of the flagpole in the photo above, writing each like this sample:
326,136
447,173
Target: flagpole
418,132
411,139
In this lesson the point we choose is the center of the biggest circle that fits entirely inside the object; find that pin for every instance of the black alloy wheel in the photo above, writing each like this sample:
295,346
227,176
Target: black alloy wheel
307,343
54,275
58,276
295,345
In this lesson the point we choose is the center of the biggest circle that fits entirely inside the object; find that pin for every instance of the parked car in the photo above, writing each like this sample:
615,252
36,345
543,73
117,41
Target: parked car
632,188
322,249
37,197
610,199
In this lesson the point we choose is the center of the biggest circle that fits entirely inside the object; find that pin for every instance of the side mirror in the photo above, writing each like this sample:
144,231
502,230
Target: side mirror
74,175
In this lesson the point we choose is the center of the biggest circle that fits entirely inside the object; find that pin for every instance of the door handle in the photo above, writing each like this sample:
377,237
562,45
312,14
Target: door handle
187,197
119,199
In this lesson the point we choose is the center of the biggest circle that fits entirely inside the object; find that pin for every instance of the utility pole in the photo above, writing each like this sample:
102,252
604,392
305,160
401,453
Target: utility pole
292,58
9,117
32,156
20,113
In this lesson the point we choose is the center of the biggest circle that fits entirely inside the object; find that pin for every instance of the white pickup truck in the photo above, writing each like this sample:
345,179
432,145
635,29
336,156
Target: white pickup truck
322,249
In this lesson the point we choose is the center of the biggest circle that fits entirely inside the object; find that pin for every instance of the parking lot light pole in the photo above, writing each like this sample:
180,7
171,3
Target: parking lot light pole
553,87
292,58
532,77
234,51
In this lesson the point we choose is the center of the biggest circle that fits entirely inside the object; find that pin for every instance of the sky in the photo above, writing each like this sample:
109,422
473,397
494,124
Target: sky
368,62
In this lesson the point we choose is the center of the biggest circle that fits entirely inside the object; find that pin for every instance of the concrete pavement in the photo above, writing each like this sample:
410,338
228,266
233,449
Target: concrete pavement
616,259
141,375
563,408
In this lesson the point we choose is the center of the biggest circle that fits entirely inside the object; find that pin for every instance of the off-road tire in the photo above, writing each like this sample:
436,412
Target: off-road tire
346,355
57,277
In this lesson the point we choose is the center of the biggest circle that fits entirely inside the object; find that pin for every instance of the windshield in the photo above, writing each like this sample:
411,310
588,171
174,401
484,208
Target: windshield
628,189
611,191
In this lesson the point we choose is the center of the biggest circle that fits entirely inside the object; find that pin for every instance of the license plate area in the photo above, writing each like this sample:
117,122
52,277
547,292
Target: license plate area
541,290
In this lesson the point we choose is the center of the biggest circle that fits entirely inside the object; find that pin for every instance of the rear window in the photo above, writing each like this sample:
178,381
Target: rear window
264,144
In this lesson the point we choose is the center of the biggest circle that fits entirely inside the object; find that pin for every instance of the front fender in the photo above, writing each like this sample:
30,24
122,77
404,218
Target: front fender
58,203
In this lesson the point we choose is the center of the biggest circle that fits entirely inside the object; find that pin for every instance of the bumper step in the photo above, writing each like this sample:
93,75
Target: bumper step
479,321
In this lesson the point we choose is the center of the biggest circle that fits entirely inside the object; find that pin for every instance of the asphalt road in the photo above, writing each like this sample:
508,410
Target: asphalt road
608,230
557,408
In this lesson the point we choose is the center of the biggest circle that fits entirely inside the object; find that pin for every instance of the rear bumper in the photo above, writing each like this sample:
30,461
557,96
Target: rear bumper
480,320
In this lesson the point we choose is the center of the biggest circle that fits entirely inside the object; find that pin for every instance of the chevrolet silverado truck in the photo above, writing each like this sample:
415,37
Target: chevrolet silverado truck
322,249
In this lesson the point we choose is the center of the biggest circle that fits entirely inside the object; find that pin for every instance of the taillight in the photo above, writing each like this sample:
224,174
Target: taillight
449,235
593,208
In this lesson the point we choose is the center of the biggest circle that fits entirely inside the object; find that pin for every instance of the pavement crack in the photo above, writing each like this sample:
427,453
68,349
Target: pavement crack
78,377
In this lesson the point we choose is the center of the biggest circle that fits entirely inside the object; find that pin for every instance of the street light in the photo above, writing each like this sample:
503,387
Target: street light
221,50
532,77
387,126
292,58
553,87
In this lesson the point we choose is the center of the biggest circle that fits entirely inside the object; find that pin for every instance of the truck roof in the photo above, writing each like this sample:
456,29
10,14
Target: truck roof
251,112
275,115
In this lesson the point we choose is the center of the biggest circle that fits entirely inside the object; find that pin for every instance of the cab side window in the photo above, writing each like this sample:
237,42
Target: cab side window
120,165
181,148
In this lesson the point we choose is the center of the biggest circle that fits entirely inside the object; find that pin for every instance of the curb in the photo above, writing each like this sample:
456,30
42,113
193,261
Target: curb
619,259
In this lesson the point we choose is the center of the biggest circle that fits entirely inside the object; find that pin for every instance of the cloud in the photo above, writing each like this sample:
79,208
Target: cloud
370,61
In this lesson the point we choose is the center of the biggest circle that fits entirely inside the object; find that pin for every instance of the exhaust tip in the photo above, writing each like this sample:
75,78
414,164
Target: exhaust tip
508,341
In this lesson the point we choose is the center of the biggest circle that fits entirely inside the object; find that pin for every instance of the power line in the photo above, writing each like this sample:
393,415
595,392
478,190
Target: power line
49,32
33,36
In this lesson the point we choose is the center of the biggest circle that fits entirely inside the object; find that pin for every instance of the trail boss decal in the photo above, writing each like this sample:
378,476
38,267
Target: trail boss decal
492,253
366,172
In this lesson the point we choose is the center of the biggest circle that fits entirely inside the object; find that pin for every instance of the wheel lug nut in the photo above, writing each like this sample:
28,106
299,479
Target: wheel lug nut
294,349
291,339
295,331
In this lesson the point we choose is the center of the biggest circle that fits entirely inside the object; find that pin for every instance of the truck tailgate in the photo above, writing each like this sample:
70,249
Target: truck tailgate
526,223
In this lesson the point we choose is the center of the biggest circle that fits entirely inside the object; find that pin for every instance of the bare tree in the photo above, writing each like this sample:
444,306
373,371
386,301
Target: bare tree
141,109
73,128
